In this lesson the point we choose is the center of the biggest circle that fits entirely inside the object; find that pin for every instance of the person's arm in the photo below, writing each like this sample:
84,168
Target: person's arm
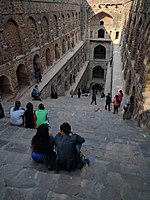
79,139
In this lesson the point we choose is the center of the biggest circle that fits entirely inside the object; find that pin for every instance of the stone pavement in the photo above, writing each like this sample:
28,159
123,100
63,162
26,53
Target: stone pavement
118,150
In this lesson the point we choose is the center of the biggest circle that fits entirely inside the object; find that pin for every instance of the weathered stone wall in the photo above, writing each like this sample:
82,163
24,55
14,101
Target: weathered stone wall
136,59
34,32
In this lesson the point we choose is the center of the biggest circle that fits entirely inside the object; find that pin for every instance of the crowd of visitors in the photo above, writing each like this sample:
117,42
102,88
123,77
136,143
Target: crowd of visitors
62,152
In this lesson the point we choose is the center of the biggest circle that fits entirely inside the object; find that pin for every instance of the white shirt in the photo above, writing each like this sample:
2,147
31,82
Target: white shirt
16,117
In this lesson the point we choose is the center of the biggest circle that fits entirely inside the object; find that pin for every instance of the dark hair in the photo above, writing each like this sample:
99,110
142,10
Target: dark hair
41,141
36,86
66,128
41,106
17,105
29,106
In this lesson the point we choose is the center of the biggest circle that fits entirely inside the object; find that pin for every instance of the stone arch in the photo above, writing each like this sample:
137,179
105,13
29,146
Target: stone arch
12,39
32,31
49,60
55,23
101,33
63,23
68,42
68,22
5,87
36,63
136,38
98,72
57,54
76,19
99,52
22,76
97,87
101,23
45,27
70,79
63,46
128,83
72,20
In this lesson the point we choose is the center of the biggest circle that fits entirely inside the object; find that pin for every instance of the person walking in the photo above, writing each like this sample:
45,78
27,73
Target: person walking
94,98
71,93
120,96
2,115
79,93
116,104
108,101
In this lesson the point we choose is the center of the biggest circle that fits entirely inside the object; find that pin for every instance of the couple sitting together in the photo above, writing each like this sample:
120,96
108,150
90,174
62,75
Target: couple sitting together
59,153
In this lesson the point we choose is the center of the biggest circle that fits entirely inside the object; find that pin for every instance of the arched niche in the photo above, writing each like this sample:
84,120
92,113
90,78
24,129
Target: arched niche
101,33
99,52
98,72
55,25
45,28
57,54
63,46
49,60
5,87
22,76
32,32
12,38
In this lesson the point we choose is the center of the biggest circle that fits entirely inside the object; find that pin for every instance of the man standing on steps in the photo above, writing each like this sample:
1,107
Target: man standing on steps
71,93
94,98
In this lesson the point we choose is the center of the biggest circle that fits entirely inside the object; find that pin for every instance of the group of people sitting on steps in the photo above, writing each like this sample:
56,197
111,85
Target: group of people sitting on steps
59,153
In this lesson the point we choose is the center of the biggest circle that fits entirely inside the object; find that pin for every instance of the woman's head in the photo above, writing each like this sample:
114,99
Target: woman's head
65,128
41,106
43,131
29,106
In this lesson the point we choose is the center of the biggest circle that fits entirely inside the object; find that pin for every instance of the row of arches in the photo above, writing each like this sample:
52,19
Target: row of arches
15,42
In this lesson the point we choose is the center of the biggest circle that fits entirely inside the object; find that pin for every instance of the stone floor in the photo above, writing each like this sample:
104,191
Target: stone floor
119,153
118,150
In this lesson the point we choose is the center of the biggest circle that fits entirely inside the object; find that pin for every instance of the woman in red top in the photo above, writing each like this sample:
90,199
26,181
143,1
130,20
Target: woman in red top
116,103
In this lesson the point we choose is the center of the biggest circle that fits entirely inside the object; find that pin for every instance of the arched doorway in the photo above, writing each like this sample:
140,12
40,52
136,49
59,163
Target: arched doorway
99,52
97,87
63,47
5,87
101,33
36,62
49,61
98,72
22,76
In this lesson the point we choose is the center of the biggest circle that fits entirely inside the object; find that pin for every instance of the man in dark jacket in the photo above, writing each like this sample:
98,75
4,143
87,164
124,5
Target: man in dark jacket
108,101
66,142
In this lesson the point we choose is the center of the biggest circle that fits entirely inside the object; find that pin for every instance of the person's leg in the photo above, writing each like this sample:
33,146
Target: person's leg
108,106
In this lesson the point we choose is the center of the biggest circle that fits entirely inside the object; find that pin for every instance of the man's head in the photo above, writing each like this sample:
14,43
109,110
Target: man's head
36,86
65,128
41,106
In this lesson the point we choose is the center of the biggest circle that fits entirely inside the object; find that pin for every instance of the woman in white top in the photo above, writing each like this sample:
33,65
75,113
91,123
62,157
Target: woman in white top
16,114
